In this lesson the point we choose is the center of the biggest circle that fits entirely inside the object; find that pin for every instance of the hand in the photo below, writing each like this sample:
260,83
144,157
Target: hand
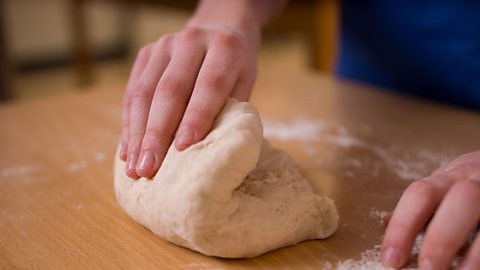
177,87
451,195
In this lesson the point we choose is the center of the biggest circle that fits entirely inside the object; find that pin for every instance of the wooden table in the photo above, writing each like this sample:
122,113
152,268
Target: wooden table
359,145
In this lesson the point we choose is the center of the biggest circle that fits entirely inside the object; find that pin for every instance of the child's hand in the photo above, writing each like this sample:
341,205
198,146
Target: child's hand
452,195
177,87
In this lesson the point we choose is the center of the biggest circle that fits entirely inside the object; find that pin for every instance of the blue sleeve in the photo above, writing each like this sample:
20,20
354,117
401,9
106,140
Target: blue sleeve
424,48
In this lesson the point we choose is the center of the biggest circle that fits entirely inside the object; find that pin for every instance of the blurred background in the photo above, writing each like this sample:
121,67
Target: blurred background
50,47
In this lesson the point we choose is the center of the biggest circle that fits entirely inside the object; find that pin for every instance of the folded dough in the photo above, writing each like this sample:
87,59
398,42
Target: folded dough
230,195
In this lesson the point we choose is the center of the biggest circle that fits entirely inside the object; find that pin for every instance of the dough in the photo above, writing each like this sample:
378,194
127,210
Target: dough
230,195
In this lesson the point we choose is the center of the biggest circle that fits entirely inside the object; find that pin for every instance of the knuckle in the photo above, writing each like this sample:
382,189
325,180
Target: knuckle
228,40
135,136
191,34
197,119
134,141
214,81
139,97
141,90
168,82
154,139
144,51
422,189
141,86
165,40
170,87
193,123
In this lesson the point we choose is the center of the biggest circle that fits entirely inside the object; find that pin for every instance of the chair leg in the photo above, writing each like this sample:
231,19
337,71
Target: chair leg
82,54
6,69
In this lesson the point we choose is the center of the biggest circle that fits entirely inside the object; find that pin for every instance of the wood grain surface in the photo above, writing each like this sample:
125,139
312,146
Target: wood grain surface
359,145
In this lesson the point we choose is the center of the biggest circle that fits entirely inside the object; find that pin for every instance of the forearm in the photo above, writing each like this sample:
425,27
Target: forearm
247,16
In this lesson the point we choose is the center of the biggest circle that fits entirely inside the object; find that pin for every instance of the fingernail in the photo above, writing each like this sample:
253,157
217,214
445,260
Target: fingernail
425,264
391,257
184,139
146,161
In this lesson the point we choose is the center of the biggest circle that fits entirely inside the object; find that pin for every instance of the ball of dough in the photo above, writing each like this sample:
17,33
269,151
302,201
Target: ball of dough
230,195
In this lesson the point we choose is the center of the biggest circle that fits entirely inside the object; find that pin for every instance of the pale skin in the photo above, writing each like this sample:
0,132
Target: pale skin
450,197
179,84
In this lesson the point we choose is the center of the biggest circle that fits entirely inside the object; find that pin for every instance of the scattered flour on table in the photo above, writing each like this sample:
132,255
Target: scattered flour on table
412,167
23,170
377,213
374,213
100,157
299,129
79,165
370,259
354,162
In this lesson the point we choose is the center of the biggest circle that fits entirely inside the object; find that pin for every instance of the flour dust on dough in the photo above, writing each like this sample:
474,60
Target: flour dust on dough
230,195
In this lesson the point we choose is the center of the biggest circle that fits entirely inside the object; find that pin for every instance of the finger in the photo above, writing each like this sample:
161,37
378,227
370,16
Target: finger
214,84
141,98
450,226
472,258
138,67
464,170
244,85
412,212
169,103
473,157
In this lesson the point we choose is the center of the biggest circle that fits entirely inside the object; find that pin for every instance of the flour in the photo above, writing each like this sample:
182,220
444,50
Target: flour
341,137
378,214
412,166
300,129
100,157
79,165
353,162
370,259
23,170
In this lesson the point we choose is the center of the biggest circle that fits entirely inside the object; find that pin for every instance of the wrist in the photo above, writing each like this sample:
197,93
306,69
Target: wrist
238,16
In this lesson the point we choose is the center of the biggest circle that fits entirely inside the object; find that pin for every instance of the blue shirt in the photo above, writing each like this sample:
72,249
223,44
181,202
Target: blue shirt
427,48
